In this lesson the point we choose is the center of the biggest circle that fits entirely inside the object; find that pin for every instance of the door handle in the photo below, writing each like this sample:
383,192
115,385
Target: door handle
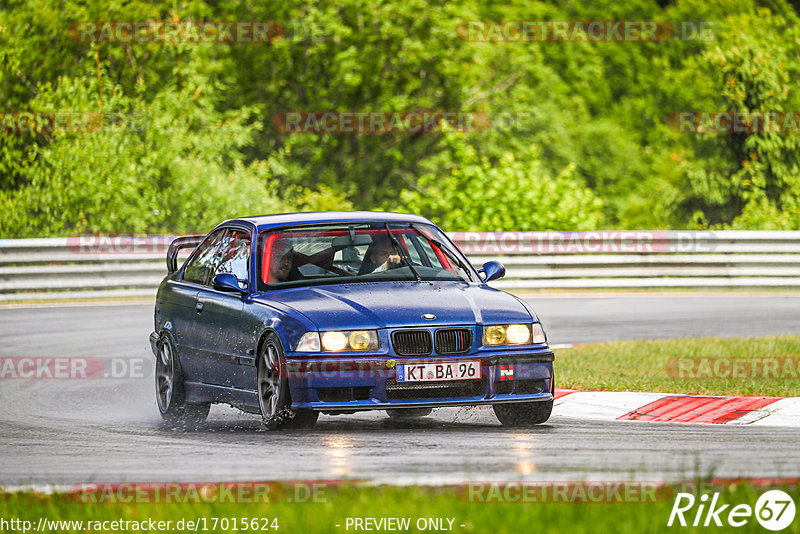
199,307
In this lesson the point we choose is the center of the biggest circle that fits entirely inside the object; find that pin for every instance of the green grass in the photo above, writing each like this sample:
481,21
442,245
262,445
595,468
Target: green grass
413,502
650,366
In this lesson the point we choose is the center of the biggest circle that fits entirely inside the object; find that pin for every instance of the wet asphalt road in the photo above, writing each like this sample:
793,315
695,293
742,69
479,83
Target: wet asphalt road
66,431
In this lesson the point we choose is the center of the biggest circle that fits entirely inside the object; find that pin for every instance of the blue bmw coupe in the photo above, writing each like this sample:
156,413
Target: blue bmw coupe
299,314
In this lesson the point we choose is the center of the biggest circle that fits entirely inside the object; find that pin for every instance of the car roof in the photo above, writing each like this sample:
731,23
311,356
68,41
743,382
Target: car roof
263,222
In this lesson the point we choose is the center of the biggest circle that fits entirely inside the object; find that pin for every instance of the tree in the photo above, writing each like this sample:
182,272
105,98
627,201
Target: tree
463,191
173,164
757,71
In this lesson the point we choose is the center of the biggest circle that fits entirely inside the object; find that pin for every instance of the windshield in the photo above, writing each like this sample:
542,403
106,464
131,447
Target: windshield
357,252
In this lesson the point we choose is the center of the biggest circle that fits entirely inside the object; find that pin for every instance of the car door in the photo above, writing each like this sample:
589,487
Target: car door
227,338
188,323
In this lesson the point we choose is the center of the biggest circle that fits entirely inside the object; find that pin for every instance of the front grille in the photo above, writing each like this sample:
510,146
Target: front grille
434,390
453,341
412,342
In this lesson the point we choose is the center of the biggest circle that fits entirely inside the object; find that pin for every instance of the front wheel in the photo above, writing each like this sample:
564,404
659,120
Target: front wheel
170,392
273,390
523,413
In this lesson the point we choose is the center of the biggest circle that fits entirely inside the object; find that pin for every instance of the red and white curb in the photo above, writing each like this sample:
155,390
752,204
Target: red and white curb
666,408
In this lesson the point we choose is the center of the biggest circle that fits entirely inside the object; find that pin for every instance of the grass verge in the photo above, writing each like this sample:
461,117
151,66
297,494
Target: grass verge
337,505
767,366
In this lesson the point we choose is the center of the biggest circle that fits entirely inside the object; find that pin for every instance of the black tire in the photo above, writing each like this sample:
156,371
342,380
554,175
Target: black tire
170,390
408,413
274,398
523,413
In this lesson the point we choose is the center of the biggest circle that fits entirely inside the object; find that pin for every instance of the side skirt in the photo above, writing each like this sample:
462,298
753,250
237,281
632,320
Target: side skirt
243,399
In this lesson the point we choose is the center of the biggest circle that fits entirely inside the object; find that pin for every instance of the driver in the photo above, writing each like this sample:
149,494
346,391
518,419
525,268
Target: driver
381,256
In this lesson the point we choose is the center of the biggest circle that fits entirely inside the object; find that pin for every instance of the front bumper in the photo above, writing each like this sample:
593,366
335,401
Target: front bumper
369,382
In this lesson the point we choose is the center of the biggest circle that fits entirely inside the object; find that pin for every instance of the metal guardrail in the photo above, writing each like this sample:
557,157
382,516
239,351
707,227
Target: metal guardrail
91,267
638,259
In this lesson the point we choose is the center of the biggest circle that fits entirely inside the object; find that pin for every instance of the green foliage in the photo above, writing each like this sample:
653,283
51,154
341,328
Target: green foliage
365,55
758,69
465,192
170,165
596,112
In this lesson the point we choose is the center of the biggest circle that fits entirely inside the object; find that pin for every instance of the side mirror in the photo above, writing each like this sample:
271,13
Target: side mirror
492,270
227,282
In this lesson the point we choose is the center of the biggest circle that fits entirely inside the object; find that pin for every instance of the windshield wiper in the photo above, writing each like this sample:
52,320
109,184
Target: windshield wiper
447,252
403,254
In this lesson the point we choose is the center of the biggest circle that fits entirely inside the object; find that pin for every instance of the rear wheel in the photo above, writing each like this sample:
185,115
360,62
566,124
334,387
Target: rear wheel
273,390
523,413
170,392
408,413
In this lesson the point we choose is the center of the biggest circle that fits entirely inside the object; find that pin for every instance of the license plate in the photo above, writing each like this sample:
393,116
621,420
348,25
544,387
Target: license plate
435,372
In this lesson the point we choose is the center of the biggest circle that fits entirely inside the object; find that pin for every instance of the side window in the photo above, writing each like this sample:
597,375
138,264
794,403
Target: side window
199,268
411,246
235,255
430,254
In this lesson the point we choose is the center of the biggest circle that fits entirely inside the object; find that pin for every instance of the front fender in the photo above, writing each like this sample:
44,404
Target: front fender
288,323
529,308
155,337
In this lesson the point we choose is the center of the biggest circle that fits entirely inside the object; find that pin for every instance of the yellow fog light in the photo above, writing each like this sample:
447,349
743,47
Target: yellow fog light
517,334
334,341
360,340
494,335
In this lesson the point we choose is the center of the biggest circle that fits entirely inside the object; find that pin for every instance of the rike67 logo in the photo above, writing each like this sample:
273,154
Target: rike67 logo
774,510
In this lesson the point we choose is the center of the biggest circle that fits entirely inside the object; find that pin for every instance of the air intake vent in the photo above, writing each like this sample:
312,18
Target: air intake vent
453,341
412,342
435,390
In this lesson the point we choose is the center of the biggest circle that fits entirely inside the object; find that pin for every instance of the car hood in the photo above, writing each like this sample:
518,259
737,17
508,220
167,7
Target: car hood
396,304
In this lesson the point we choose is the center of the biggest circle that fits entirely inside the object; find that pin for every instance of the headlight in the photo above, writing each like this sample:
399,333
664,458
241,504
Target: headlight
309,342
510,334
334,341
518,334
494,335
359,340
355,340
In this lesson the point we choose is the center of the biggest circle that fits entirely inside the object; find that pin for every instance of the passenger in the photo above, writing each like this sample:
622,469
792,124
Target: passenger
281,265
